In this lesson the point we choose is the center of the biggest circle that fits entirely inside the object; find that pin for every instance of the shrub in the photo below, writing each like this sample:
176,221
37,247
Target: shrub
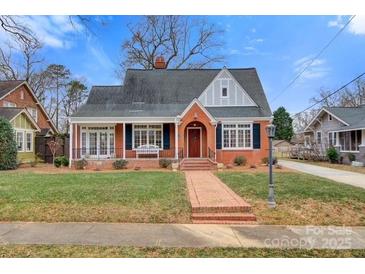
61,161
8,148
240,160
351,157
120,164
165,163
265,160
80,164
65,161
58,161
332,155
253,166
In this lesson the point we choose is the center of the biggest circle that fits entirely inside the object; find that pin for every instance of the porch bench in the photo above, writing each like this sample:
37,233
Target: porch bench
147,150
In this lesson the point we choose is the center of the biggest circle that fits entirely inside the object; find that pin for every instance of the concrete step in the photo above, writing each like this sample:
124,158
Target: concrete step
226,217
197,164
222,209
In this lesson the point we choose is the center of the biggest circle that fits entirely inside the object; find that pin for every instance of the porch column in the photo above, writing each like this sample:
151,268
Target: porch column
70,146
123,140
176,141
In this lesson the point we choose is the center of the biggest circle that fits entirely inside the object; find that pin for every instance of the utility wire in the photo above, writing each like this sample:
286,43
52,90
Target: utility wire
332,93
314,59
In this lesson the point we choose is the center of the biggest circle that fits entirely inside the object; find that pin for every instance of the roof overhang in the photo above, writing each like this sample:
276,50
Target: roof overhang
348,129
38,102
197,102
26,113
307,128
110,120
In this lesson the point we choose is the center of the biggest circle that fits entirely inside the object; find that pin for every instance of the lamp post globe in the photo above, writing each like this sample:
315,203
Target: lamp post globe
270,131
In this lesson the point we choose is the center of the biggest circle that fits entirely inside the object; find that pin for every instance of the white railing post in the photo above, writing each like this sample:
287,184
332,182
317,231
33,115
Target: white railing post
123,140
71,145
176,141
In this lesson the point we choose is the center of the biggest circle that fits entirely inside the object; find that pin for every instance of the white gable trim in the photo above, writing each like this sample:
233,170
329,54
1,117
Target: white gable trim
38,103
29,117
319,113
206,112
204,98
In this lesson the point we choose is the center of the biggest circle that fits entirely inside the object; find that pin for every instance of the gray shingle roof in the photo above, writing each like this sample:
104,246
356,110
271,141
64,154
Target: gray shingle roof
354,116
166,93
6,86
10,113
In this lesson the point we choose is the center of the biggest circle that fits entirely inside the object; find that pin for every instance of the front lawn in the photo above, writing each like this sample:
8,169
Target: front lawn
158,197
65,251
301,199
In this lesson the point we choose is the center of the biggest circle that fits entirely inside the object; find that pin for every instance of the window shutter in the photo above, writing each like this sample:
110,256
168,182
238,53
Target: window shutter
256,136
218,141
166,136
128,136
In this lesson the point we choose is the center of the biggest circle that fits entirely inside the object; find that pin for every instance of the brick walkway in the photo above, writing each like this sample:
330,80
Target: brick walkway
214,202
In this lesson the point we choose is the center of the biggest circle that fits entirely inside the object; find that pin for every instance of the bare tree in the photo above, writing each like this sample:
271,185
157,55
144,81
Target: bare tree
13,25
183,42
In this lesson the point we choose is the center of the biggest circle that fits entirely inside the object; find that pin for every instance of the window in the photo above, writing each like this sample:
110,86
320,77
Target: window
350,140
83,143
33,113
9,104
147,134
20,140
332,138
319,137
307,141
237,135
29,139
22,95
329,117
111,143
224,88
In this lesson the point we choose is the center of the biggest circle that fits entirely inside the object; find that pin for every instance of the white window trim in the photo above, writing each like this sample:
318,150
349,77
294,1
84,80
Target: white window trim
87,146
349,151
24,145
316,137
201,141
151,124
224,86
31,114
8,104
238,148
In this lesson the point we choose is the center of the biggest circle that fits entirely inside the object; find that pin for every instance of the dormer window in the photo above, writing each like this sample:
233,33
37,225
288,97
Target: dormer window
224,88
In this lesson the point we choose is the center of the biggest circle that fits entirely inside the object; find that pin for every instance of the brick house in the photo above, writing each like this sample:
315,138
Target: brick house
201,116
21,107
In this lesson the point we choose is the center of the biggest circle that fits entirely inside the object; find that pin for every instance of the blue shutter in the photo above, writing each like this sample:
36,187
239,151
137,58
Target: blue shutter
218,141
128,136
256,136
166,136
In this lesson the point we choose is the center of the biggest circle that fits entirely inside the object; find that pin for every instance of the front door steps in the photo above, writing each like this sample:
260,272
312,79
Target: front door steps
213,202
197,164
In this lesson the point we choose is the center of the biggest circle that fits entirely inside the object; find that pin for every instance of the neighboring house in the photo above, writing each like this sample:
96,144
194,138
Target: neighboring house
215,114
21,107
282,147
340,127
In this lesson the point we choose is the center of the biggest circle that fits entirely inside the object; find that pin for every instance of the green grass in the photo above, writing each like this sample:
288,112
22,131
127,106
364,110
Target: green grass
100,197
54,251
301,198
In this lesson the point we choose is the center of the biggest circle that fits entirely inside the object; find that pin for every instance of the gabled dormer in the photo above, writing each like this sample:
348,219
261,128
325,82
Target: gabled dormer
224,91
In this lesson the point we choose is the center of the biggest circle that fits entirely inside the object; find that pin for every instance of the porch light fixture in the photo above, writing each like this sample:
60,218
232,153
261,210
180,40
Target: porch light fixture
270,131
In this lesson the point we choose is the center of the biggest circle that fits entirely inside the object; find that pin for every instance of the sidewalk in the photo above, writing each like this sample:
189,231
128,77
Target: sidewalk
341,176
183,235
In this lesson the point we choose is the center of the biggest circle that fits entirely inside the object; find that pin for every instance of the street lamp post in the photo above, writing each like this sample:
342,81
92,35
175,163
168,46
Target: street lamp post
270,131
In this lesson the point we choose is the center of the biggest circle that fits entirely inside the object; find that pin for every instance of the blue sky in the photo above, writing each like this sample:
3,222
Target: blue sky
278,46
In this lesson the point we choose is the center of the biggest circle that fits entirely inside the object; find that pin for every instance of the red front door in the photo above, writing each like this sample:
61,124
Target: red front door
194,142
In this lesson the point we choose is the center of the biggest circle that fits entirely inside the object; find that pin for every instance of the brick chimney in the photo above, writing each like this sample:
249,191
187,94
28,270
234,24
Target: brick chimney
160,63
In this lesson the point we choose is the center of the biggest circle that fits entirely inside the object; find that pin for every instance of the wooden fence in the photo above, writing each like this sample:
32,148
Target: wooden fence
43,151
